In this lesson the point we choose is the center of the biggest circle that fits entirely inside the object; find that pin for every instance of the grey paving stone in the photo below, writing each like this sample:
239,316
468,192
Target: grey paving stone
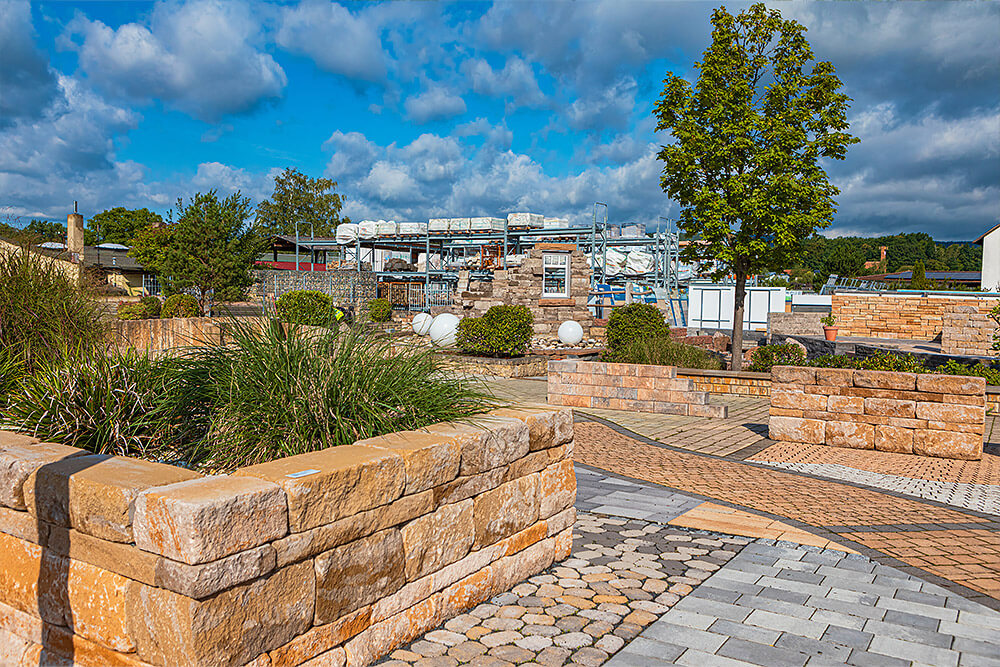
838,619
687,619
791,624
847,608
814,648
921,653
860,658
970,631
794,586
847,637
709,607
660,650
903,618
941,613
988,649
744,631
761,654
907,633
686,637
695,658
776,606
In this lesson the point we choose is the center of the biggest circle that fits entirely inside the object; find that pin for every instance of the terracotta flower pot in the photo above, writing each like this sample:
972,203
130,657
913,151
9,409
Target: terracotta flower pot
830,332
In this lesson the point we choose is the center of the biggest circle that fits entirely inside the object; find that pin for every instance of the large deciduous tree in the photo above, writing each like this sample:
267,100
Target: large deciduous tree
301,200
750,135
209,249
119,225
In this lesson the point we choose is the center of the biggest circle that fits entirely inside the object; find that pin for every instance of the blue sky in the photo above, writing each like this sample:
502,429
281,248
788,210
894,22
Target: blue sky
423,109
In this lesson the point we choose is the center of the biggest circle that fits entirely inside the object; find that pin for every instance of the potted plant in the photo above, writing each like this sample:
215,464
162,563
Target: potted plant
829,330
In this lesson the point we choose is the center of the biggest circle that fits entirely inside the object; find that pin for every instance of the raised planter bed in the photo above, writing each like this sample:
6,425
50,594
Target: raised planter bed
337,556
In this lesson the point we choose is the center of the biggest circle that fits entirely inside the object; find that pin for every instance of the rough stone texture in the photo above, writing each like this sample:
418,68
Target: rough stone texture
356,574
506,510
320,639
348,479
968,332
894,439
201,581
885,380
124,559
907,316
948,444
489,442
19,457
795,429
850,434
20,566
428,458
230,628
207,519
547,427
438,539
793,375
95,494
557,488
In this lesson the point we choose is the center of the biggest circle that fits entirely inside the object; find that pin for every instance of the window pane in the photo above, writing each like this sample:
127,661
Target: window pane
555,275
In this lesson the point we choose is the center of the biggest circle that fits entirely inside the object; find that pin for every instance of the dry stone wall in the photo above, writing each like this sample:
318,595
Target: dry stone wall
968,332
169,333
636,387
898,315
923,413
333,557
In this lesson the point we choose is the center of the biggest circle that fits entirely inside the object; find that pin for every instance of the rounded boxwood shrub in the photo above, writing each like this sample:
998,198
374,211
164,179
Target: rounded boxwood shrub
504,331
379,310
766,356
151,305
636,321
309,307
131,311
180,305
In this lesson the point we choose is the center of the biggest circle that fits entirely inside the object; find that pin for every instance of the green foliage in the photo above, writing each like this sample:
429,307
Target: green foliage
844,260
210,248
119,225
308,307
303,200
276,392
635,321
828,320
43,313
180,305
979,369
46,230
132,311
890,361
661,351
12,371
151,305
750,139
766,356
379,310
830,361
503,331
918,278
903,252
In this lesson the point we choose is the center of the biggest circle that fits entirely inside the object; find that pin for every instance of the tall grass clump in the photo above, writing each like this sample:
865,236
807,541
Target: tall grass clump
285,389
44,314
661,351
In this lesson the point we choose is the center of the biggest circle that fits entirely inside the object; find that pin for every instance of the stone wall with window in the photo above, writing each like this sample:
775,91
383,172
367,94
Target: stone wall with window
554,283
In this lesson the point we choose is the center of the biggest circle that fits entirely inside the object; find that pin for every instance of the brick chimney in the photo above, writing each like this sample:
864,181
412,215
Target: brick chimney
74,236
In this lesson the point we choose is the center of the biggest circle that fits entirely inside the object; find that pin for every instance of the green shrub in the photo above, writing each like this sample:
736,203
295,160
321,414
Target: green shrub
664,352
503,331
180,305
979,369
787,354
308,307
152,306
44,314
890,361
279,391
633,322
379,310
131,311
831,361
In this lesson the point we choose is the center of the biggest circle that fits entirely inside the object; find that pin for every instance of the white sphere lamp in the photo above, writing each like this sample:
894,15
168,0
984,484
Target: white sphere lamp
422,324
443,330
570,332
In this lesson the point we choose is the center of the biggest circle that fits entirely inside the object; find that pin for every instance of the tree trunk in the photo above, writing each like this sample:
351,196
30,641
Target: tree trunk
741,290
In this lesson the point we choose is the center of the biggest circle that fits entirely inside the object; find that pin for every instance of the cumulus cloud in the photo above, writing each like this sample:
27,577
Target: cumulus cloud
201,57
435,103
27,83
515,81
338,40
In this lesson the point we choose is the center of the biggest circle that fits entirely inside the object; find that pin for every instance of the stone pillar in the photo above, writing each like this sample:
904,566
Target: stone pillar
74,237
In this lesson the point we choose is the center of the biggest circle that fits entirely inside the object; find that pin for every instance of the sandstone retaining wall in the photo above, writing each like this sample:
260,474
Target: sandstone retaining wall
734,383
636,387
169,333
898,315
333,557
968,331
924,413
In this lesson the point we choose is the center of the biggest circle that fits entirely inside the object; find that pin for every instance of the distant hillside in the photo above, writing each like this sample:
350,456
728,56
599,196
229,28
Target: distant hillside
846,256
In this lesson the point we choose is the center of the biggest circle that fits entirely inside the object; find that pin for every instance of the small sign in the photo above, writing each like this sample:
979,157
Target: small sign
301,473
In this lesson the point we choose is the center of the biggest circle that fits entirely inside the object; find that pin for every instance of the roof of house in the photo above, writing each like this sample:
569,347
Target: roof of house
110,259
285,240
987,233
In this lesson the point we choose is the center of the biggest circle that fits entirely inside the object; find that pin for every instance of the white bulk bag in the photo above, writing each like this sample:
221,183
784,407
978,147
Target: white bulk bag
347,233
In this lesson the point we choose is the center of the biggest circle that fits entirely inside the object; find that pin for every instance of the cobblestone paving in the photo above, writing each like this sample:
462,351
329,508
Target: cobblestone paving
979,497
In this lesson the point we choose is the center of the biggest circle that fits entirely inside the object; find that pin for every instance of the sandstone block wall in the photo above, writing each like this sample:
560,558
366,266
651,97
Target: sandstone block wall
334,557
636,387
898,315
160,335
924,414
969,332
740,383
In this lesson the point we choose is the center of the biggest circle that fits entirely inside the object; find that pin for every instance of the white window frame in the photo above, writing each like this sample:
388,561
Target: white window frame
563,263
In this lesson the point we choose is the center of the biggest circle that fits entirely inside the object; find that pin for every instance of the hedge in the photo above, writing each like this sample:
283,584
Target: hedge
504,331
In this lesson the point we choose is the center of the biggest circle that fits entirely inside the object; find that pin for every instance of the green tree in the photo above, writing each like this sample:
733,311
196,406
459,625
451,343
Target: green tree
749,138
845,260
46,230
298,198
918,278
209,249
119,225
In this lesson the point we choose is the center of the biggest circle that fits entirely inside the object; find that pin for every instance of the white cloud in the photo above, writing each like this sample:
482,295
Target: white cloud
201,57
516,81
338,40
435,103
28,85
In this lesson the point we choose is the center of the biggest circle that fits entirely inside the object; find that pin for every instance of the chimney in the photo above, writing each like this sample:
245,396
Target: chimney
74,236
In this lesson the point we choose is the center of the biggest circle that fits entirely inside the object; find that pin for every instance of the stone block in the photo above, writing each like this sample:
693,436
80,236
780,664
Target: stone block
124,559
227,629
792,429
850,434
20,568
469,486
506,510
835,377
854,405
22,525
488,442
798,400
894,439
320,639
794,374
951,384
512,570
207,519
429,458
467,593
333,483
547,427
19,457
201,581
945,412
663,408
383,637
557,488
885,380
95,494
356,574
432,541
888,407
713,411
948,445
